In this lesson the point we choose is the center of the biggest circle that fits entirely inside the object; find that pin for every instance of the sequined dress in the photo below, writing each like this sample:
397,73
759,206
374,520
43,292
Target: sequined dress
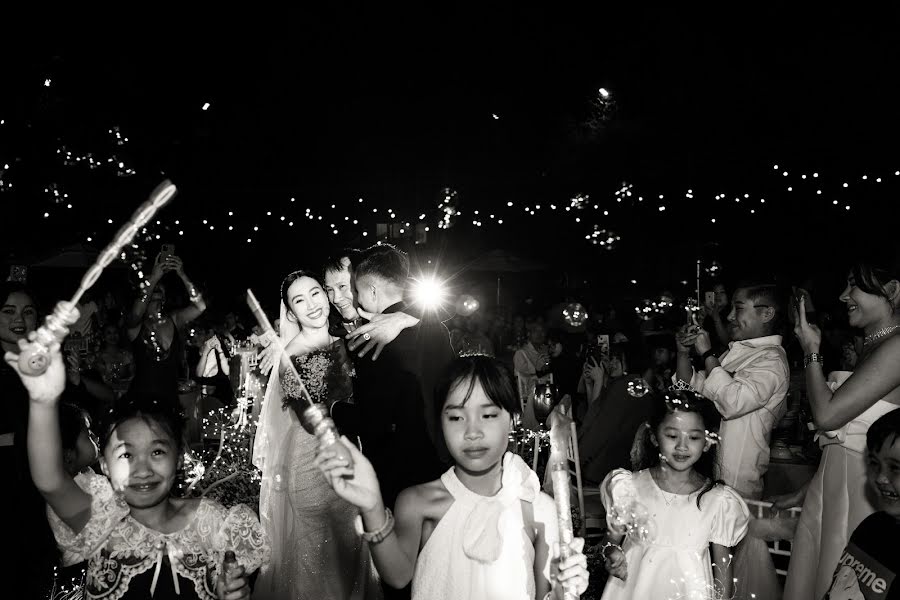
316,552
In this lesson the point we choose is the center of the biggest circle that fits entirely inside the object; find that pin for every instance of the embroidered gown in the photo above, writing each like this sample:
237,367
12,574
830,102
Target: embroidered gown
316,552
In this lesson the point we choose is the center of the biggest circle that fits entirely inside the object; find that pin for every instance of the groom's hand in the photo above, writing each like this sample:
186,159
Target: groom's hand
381,330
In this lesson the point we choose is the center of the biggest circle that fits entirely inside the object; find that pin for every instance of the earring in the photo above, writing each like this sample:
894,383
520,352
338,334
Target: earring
662,458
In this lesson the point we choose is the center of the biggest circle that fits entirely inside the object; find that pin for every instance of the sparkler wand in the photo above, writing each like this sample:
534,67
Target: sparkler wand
35,359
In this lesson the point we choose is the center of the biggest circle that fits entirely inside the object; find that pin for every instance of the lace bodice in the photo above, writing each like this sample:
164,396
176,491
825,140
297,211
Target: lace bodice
119,548
327,375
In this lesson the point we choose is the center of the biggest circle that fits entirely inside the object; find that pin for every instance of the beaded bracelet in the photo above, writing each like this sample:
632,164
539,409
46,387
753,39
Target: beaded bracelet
609,545
376,537
811,358
682,385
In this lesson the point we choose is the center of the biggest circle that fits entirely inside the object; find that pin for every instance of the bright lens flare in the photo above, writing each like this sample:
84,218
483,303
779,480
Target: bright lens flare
429,292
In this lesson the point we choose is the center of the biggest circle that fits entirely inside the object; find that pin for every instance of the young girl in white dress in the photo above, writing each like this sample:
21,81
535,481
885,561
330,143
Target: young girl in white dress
484,530
138,540
670,512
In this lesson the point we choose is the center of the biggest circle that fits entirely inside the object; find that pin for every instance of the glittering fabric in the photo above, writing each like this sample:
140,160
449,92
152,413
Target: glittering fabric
326,374
316,552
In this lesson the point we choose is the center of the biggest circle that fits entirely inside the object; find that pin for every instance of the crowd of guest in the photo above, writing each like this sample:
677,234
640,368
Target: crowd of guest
677,409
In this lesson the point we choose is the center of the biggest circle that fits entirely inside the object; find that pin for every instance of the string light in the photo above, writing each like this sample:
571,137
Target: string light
596,231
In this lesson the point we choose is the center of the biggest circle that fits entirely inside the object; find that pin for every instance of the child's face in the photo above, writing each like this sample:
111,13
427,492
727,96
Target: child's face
141,461
477,433
884,476
682,440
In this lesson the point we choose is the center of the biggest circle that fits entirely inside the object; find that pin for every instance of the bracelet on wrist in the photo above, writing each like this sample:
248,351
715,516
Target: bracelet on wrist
609,545
376,537
813,357
709,353
681,384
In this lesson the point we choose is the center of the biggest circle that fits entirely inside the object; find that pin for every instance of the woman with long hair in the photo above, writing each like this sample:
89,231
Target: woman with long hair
316,551
843,406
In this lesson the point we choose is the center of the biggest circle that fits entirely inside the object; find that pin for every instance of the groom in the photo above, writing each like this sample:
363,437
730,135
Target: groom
396,394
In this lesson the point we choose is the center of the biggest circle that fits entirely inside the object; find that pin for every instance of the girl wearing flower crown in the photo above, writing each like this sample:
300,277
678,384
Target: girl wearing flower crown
675,520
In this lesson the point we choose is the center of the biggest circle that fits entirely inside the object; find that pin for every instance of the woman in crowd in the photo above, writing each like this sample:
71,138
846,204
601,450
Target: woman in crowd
214,365
154,332
843,406
33,556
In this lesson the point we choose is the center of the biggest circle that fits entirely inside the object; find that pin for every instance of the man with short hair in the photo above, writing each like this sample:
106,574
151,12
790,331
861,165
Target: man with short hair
748,383
338,283
400,416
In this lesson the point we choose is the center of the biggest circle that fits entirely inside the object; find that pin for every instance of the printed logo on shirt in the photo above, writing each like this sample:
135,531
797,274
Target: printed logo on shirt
860,577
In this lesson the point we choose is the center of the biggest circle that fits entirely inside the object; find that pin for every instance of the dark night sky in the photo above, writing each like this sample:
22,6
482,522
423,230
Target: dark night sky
393,107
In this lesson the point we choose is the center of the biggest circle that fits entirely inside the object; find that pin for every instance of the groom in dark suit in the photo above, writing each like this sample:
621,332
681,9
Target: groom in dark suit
401,432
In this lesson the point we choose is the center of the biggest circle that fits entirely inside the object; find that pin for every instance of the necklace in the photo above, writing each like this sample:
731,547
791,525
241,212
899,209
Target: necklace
675,494
879,334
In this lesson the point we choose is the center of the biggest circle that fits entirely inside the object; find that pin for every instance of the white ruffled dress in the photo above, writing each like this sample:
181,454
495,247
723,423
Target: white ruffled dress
672,559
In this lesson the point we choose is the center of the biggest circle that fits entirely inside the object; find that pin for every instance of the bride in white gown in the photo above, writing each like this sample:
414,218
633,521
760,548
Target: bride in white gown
316,552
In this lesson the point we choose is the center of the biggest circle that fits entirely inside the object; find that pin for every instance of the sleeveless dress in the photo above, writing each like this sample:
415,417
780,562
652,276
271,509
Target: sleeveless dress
156,370
673,560
825,525
480,550
316,552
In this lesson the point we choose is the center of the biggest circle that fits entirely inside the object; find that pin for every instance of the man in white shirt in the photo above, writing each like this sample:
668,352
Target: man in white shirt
748,384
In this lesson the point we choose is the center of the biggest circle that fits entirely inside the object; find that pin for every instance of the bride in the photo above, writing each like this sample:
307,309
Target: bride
316,552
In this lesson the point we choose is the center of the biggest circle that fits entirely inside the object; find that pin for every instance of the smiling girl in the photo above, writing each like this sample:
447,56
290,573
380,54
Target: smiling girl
689,521
137,538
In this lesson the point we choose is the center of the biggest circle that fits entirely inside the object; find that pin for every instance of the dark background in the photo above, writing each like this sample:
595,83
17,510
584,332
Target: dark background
392,105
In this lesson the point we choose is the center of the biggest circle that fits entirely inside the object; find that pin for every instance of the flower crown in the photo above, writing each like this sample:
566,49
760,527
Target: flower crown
680,399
